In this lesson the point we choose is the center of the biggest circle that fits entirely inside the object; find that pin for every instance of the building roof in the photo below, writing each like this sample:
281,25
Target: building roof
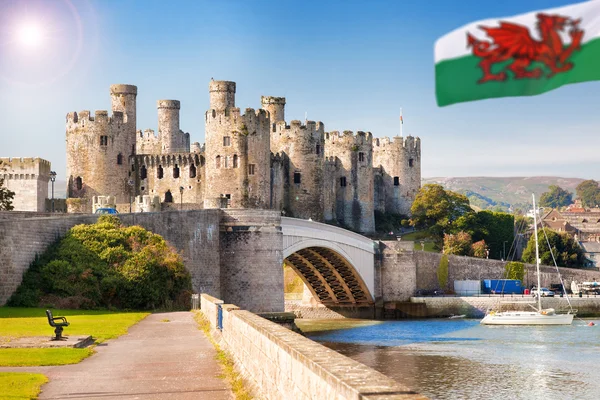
591,247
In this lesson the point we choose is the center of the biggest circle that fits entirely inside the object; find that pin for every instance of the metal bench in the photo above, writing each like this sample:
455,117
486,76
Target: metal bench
56,323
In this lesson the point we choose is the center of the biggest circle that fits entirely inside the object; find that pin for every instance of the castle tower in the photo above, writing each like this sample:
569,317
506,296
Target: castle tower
354,183
123,99
98,150
399,161
28,178
173,140
303,150
222,95
237,151
275,106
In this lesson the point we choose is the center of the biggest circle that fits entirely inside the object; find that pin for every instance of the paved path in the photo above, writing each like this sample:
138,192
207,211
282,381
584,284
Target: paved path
155,360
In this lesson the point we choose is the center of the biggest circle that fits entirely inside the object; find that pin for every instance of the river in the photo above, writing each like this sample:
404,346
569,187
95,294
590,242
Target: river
461,359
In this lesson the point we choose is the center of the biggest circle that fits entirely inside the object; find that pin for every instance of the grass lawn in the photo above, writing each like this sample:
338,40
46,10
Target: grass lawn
417,237
21,322
17,385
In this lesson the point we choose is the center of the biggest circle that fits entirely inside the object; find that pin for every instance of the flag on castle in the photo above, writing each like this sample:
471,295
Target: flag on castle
523,55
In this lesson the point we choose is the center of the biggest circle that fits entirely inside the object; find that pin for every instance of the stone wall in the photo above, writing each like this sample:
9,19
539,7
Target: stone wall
396,275
281,364
475,307
195,234
252,259
470,268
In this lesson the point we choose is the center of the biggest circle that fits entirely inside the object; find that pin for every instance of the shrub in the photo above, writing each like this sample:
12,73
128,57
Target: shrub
105,265
515,270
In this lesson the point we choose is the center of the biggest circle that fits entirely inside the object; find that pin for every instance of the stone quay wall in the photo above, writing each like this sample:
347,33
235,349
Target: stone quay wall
281,364
475,307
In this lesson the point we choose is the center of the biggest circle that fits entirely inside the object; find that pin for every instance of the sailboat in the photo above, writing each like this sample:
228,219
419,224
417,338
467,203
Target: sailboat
539,316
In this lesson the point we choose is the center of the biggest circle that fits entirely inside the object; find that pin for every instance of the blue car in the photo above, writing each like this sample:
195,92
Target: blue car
106,211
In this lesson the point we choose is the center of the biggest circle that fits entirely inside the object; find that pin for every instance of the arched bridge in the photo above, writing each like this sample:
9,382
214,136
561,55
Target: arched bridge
335,264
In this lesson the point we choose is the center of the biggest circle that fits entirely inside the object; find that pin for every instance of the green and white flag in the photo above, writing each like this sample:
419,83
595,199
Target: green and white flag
523,55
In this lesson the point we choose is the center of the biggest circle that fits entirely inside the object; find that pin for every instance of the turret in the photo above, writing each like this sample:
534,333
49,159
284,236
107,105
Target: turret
123,98
222,95
173,140
276,108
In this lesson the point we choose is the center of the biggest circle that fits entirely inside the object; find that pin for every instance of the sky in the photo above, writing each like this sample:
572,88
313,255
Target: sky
350,64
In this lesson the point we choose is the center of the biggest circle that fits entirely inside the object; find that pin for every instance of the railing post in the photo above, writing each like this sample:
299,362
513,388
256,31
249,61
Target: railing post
219,317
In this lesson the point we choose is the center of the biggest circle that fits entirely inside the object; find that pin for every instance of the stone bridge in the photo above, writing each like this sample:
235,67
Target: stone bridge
335,264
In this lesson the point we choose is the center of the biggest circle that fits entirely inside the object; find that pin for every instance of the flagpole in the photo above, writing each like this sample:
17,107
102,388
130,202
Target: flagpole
401,121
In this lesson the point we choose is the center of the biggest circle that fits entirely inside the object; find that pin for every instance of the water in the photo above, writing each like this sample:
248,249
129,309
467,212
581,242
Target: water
461,359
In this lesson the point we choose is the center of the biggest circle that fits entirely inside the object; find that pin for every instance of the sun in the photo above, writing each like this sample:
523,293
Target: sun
30,34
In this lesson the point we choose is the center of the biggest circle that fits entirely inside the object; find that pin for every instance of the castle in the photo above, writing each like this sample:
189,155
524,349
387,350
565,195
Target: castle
249,160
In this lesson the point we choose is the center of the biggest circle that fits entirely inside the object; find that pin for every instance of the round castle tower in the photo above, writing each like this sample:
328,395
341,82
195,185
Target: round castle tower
353,183
98,150
302,147
400,163
237,151
173,140
275,106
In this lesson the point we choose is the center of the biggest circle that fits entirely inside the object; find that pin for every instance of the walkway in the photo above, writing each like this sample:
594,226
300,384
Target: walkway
155,360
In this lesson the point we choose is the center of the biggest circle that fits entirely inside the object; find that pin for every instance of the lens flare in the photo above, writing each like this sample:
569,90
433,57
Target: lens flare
30,34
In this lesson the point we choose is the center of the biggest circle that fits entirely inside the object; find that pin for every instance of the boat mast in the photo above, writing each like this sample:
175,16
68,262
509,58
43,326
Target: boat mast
537,256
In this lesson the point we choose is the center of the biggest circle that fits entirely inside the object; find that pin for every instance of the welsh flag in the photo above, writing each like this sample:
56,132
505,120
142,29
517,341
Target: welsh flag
523,55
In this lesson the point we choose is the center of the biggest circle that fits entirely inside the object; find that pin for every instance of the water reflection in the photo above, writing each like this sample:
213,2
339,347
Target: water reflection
450,359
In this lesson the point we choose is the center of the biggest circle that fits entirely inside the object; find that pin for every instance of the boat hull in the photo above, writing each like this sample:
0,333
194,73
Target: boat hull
527,318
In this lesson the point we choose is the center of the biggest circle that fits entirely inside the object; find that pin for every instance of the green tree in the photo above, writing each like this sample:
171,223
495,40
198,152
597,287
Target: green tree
496,228
479,249
566,250
515,270
442,272
556,197
589,193
458,244
436,209
6,197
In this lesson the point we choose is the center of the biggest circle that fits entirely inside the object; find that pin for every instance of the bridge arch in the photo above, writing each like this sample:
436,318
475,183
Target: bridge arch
336,265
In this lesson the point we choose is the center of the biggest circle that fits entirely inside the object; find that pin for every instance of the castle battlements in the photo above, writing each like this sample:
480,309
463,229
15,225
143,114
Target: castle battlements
397,143
85,119
348,138
314,129
25,167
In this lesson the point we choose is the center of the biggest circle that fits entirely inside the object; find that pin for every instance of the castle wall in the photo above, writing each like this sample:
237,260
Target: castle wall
331,182
354,193
190,176
279,180
304,147
400,175
147,142
28,178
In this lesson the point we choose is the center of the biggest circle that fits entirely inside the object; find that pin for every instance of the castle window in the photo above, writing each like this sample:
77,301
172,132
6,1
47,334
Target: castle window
142,188
78,183
396,181
361,156
176,171
343,181
226,160
159,172
214,113
103,140
297,177
274,126
132,149
410,163
168,197
250,169
318,151
235,161
226,141
120,160
143,172
218,162
192,171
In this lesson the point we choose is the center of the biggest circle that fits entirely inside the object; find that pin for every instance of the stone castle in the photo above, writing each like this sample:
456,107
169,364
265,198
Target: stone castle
249,160
28,177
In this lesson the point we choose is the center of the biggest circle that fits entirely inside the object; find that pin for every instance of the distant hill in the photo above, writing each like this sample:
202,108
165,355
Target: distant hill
502,193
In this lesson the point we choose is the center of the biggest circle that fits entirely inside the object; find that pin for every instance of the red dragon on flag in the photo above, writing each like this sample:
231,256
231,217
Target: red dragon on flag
514,41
